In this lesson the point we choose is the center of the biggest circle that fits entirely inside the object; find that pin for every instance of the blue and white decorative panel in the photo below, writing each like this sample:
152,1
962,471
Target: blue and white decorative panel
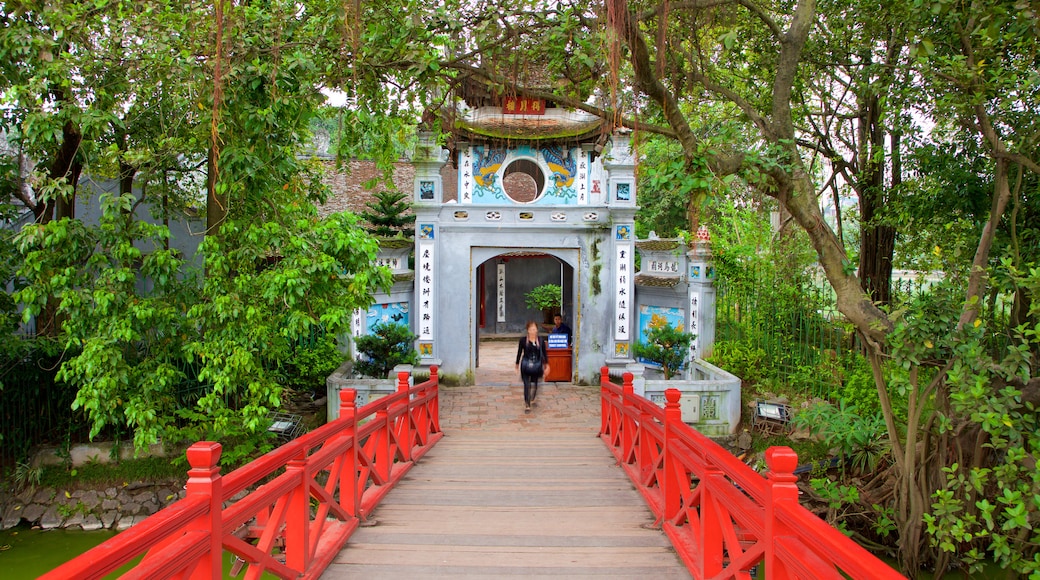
425,301
658,316
565,174
427,190
623,191
623,291
387,313
623,233
426,231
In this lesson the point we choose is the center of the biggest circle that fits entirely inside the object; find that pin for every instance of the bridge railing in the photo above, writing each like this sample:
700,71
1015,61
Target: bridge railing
304,498
722,517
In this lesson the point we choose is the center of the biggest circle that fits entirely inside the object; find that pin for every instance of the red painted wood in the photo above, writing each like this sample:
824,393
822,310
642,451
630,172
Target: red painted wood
359,457
722,517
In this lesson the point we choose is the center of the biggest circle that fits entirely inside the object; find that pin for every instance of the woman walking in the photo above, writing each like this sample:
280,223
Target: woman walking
531,361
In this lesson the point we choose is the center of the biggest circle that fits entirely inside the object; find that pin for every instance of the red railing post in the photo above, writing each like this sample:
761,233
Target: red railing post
435,411
381,455
349,495
297,518
628,425
604,399
404,420
204,481
671,466
783,492
711,521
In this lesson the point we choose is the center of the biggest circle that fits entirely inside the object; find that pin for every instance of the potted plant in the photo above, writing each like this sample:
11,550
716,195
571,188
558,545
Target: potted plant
548,298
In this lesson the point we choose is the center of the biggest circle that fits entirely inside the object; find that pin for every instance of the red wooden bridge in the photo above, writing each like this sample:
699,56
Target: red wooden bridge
309,502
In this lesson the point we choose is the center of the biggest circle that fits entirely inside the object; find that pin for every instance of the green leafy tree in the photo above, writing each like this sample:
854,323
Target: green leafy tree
126,341
667,346
389,344
242,108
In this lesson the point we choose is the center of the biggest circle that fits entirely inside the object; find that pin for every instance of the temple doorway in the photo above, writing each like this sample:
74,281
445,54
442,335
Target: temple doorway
502,283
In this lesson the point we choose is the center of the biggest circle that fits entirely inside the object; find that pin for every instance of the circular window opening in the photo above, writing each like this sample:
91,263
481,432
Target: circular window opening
523,181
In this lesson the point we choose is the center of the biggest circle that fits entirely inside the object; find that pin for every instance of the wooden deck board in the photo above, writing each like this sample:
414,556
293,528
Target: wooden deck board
512,494
520,504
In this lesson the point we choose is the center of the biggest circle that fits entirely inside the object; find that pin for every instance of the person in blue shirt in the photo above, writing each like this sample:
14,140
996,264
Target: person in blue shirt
561,328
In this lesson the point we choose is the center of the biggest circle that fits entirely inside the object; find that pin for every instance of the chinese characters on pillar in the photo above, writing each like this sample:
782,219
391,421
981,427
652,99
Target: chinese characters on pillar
623,291
392,263
466,176
694,316
501,292
355,326
424,274
583,180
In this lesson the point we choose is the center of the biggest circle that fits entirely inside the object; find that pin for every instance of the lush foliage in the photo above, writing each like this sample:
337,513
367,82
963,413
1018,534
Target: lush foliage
387,345
987,502
169,351
310,363
925,112
544,297
667,346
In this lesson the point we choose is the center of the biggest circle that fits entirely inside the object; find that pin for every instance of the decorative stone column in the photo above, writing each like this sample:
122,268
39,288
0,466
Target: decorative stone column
428,159
620,165
701,294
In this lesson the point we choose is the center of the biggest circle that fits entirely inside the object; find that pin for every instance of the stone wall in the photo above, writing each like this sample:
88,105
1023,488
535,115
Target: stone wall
349,193
115,507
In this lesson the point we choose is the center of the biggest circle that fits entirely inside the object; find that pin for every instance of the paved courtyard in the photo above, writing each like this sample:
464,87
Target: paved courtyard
496,402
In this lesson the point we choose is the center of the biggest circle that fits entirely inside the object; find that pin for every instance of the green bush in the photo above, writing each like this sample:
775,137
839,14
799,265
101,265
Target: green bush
310,364
389,345
667,346
743,360
859,438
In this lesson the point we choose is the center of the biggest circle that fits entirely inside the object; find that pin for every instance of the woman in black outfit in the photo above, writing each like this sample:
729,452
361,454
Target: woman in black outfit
531,359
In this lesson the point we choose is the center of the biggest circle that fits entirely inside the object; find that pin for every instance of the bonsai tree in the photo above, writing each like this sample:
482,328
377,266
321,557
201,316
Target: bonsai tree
389,345
547,298
667,346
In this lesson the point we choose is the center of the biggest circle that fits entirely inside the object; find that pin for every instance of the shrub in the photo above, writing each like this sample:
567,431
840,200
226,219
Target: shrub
389,345
667,346
739,358
309,365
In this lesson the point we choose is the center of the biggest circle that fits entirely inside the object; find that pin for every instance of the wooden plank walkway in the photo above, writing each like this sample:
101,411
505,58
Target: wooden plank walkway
512,494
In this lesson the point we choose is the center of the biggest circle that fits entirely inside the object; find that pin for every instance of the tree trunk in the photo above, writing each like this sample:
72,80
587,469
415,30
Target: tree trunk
877,240
65,166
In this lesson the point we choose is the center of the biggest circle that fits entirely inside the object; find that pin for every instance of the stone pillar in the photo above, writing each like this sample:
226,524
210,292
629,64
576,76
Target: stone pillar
621,191
701,295
620,165
428,159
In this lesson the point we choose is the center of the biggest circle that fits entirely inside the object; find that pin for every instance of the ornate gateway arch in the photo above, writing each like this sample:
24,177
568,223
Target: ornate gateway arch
536,203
